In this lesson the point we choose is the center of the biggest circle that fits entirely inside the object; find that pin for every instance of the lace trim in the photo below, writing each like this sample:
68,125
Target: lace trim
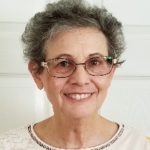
100,147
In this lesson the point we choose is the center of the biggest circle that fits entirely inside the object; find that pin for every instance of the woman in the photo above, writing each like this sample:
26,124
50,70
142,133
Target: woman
73,51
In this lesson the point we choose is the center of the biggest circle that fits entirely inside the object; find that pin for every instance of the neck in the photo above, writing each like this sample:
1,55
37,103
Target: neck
78,133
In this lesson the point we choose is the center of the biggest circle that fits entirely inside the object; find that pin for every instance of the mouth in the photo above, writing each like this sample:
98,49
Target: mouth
78,96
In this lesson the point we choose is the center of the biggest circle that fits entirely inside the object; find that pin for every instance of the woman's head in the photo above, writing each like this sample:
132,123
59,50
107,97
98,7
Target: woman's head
70,34
65,15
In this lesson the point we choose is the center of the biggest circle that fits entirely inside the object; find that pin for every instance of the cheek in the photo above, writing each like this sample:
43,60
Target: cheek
53,88
103,83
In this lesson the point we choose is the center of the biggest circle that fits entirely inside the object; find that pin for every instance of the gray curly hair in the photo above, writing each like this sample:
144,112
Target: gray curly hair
66,14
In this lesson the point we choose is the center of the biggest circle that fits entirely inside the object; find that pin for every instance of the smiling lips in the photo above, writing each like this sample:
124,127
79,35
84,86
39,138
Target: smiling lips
79,96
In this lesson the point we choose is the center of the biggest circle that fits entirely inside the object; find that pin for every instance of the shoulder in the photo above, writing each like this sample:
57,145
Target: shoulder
134,139
15,133
16,138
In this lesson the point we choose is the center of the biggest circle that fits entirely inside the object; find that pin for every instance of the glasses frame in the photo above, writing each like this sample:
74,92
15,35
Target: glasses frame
106,58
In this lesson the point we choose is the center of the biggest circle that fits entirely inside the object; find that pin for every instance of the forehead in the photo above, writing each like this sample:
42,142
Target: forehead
77,42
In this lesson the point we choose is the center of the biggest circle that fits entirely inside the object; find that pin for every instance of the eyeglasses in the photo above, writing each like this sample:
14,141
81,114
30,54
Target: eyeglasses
64,67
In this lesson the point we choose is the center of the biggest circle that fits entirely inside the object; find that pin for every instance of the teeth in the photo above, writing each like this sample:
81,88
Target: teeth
79,96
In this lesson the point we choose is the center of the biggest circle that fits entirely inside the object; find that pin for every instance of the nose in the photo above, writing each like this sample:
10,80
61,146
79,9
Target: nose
80,76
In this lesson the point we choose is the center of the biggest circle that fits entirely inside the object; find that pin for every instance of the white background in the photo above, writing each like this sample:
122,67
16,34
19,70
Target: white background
129,96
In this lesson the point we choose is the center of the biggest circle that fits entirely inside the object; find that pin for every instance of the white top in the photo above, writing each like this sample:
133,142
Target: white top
26,139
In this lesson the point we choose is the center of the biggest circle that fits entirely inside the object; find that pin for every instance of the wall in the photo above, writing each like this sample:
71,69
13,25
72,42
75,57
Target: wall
129,97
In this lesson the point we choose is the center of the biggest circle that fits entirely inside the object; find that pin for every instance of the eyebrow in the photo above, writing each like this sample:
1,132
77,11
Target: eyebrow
95,54
63,55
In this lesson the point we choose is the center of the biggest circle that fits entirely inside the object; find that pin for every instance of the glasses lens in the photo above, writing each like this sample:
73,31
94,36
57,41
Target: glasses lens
61,67
99,66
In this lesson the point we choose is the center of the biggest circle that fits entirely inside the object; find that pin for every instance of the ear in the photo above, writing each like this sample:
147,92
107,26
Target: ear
32,67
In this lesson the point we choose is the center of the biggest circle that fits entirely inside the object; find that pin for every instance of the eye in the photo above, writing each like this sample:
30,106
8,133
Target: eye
95,61
63,63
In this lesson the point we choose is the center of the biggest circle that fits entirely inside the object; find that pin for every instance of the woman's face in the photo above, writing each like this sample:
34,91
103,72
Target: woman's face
79,95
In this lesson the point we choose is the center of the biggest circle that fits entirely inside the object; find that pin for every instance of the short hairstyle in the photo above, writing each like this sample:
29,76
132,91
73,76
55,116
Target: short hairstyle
66,14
